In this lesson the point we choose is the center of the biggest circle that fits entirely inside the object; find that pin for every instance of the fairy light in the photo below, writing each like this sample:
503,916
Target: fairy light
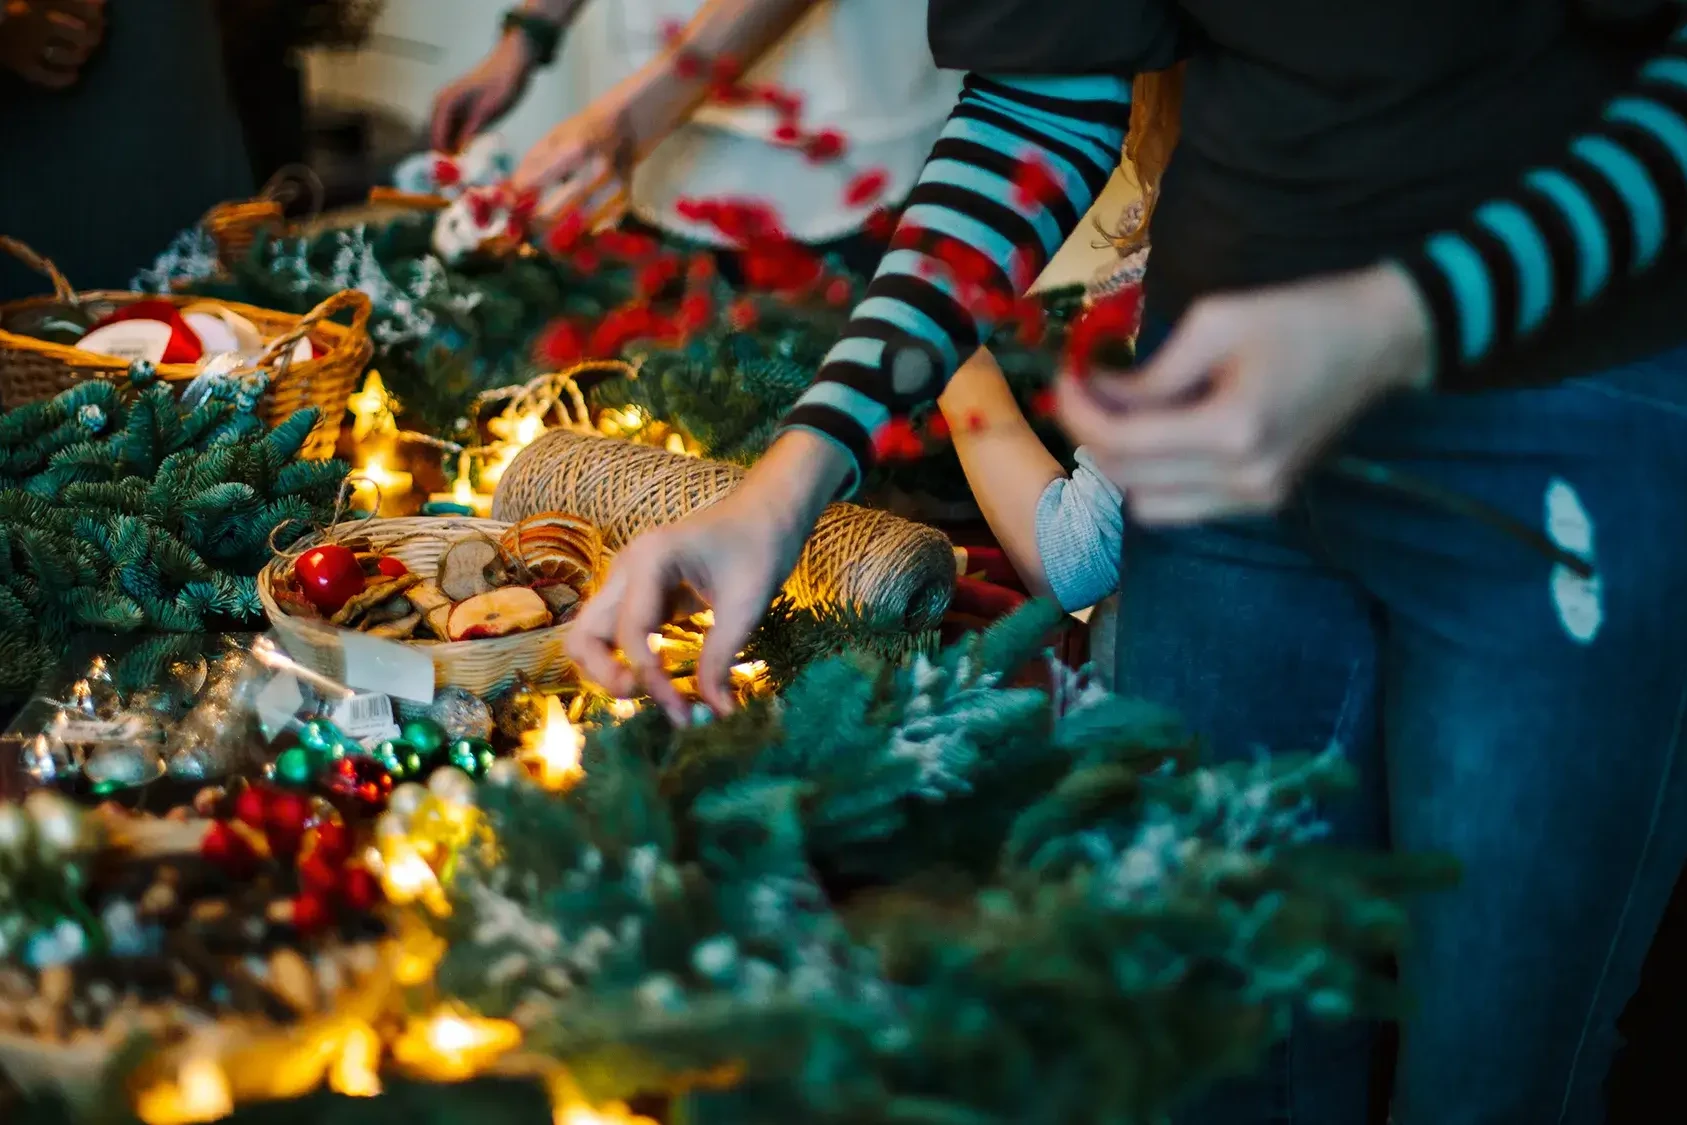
450,1045
383,487
355,1071
372,410
552,752
623,709
199,1094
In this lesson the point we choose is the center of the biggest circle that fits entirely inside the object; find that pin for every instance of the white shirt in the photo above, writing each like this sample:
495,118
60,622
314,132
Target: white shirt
862,67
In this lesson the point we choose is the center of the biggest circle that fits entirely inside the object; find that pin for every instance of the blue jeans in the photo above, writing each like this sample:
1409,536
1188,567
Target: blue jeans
1497,708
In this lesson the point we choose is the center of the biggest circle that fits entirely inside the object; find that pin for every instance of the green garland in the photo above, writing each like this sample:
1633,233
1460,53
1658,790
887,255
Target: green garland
445,335
127,514
906,892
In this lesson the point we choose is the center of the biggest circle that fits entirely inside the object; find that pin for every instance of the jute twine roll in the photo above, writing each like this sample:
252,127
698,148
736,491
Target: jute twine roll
881,566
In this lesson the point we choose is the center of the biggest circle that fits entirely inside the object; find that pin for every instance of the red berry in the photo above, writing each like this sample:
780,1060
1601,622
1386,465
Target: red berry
742,314
1042,403
565,232
252,806
786,133
839,291
329,576
866,188
359,890
446,173
826,145
559,345
285,822
937,427
1036,183
310,913
391,567
897,440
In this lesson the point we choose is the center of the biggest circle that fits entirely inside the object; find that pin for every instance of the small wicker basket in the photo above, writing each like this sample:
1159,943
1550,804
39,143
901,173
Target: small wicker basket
420,542
33,369
236,226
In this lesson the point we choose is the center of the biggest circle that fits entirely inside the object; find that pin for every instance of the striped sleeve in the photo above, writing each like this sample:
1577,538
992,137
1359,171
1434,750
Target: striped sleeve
1611,210
972,192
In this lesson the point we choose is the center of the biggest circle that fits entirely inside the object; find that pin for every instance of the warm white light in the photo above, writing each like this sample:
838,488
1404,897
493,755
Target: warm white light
623,708
552,752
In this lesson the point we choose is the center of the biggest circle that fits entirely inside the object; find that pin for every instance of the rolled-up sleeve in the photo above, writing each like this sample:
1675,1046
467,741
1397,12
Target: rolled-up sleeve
1080,533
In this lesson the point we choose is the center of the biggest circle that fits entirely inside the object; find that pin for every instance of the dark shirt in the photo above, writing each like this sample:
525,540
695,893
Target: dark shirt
102,176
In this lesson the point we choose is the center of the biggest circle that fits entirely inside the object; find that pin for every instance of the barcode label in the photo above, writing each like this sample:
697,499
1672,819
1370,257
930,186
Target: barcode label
363,715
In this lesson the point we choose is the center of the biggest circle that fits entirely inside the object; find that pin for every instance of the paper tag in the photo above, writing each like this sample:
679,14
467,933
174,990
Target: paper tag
362,716
380,736
278,703
388,667
130,340
91,730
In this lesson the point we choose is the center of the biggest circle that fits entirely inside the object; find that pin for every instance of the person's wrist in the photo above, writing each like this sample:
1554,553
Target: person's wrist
795,479
541,34
1392,297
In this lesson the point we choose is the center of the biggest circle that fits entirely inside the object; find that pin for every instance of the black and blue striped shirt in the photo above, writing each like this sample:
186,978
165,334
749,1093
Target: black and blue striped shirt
1609,207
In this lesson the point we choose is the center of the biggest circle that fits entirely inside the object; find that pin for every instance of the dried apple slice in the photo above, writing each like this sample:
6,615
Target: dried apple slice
463,569
514,609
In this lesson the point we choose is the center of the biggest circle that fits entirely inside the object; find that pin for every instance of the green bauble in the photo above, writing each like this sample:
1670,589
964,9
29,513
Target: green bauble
398,758
294,767
427,737
321,738
474,756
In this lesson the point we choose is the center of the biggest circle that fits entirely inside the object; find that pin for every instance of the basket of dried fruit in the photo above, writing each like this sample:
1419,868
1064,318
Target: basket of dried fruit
486,600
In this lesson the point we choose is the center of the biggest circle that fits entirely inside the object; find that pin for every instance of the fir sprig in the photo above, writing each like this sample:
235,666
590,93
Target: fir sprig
905,891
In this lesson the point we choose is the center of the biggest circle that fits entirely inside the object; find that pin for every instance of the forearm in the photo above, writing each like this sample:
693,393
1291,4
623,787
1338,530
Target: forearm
1613,209
661,95
972,195
1006,465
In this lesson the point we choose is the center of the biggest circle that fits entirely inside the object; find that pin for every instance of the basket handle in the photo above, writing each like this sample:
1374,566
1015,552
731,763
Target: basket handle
392,197
283,187
61,288
281,348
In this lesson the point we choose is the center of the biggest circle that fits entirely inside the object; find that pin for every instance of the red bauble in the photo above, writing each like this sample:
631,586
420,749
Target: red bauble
361,781
332,841
225,849
311,913
252,806
329,576
285,822
318,876
359,890
391,567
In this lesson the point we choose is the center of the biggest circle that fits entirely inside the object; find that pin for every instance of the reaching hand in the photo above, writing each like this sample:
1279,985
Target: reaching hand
1247,390
580,167
47,42
483,95
733,555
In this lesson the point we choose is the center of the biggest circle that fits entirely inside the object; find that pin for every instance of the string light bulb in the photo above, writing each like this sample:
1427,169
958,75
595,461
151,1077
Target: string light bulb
552,751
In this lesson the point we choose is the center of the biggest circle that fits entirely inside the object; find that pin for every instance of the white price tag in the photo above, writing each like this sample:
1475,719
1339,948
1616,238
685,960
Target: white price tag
364,716
388,667
278,703
91,730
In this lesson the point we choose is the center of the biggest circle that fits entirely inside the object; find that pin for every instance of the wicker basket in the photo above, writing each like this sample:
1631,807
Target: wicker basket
234,227
32,369
482,666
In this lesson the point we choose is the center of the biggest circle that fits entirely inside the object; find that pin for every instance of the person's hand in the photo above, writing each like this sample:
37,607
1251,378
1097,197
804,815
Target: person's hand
47,42
581,167
1248,389
483,95
733,555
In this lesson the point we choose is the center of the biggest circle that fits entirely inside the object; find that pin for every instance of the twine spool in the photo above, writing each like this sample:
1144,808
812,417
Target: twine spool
889,570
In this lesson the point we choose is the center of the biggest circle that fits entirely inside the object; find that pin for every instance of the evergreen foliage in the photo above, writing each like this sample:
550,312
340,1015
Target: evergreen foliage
445,334
123,514
906,892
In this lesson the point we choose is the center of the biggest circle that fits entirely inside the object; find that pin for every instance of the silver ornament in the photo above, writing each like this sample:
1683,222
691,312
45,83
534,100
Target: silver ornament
45,759
406,800
14,831
188,675
61,828
507,772
462,713
452,786
124,766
